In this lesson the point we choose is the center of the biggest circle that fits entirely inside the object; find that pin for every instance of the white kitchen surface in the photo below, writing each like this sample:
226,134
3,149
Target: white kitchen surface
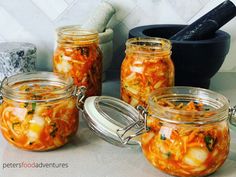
89,156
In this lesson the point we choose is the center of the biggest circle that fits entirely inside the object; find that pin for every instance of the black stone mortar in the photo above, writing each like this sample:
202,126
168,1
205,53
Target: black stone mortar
196,62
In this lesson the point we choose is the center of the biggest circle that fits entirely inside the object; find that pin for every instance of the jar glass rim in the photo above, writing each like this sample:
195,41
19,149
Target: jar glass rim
219,105
148,44
9,85
75,33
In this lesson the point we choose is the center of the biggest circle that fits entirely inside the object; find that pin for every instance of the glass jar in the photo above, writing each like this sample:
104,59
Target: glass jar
188,133
183,131
78,54
147,66
38,110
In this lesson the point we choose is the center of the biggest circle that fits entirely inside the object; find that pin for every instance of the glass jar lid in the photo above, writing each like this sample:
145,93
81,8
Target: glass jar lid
110,118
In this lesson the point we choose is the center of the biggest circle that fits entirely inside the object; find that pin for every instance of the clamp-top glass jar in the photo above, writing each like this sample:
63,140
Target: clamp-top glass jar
38,110
147,66
188,133
183,132
78,54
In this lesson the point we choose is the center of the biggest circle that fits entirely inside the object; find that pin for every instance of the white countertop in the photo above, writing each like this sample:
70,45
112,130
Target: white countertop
89,156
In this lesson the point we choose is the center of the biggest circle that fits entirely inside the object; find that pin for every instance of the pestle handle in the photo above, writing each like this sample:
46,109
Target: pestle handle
207,24
100,17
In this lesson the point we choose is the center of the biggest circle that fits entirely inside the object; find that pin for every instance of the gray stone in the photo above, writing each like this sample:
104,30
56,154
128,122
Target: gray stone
16,57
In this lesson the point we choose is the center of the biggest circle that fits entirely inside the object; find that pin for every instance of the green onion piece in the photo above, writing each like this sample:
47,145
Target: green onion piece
26,104
54,130
31,143
33,108
15,124
163,137
27,89
210,142
168,154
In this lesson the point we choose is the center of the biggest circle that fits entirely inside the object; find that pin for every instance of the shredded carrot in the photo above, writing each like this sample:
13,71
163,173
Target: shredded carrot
83,63
141,74
38,126
186,150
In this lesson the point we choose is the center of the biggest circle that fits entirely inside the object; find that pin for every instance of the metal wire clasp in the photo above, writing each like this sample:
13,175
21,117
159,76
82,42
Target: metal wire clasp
232,115
80,93
140,126
1,99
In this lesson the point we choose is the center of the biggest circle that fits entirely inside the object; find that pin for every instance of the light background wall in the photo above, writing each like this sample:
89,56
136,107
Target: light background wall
35,21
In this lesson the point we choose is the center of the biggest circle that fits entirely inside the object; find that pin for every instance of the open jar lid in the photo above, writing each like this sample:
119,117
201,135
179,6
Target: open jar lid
119,123
110,117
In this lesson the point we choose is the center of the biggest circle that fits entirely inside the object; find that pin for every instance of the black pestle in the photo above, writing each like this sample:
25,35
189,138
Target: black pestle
206,26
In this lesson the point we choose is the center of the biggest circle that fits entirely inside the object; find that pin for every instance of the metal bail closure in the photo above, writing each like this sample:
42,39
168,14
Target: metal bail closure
114,120
141,122
232,115
1,99
80,93
1,85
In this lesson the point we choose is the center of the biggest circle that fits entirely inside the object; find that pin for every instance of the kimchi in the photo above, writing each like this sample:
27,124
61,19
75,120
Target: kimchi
185,149
146,67
77,54
36,124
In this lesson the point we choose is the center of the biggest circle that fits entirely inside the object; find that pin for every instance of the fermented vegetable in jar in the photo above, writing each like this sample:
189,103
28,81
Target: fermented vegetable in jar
38,110
188,131
147,66
77,54
183,131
